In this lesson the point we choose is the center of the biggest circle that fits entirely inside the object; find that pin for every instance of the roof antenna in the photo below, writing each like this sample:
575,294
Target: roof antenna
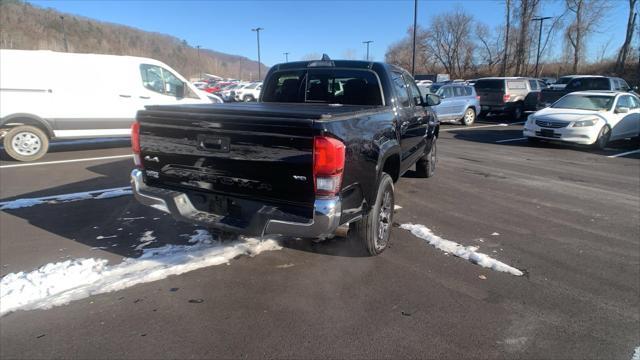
325,57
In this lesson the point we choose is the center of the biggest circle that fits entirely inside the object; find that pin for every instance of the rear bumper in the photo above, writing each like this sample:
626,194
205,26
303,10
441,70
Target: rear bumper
267,220
498,108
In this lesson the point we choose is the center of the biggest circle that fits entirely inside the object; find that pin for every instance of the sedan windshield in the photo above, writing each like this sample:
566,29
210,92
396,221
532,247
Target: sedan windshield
585,102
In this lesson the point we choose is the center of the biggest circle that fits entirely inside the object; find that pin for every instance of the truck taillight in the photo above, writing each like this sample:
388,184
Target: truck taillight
328,165
506,97
135,144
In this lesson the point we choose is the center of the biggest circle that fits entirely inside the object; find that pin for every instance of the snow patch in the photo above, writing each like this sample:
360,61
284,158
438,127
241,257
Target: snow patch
636,354
495,234
397,207
146,239
465,252
86,195
59,283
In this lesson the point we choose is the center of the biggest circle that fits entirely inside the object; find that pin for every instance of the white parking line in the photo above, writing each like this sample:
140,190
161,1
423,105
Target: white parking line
473,127
508,140
65,161
624,153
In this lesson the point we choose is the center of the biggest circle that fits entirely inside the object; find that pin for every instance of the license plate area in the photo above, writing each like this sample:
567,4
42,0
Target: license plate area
547,133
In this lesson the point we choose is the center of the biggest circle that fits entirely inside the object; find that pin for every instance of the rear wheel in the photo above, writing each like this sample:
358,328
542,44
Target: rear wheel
469,117
603,138
517,112
373,230
426,165
247,98
26,143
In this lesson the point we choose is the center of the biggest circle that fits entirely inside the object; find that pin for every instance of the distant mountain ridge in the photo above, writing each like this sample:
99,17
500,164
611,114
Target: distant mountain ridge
28,27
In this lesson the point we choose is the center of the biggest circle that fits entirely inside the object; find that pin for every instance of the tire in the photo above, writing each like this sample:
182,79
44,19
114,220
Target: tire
247,98
26,143
469,117
426,165
603,138
516,113
373,231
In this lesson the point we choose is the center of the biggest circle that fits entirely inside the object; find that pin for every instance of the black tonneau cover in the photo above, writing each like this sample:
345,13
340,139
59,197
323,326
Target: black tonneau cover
279,110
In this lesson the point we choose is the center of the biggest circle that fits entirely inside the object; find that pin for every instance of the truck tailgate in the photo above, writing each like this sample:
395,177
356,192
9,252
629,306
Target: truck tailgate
268,158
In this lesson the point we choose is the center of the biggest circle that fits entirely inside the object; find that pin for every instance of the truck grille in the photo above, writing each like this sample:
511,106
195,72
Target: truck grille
551,124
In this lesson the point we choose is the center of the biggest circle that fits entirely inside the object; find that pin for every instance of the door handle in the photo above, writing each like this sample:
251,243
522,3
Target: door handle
145,97
125,96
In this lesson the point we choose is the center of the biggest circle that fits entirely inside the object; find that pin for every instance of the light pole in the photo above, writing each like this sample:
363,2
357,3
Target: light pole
286,57
541,20
64,35
415,25
367,42
199,63
257,30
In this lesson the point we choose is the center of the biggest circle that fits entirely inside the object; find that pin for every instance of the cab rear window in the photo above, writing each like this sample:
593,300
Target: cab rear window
490,84
334,86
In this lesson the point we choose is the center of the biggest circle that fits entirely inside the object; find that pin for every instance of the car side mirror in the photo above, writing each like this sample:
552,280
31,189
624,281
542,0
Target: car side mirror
622,110
180,91
432,100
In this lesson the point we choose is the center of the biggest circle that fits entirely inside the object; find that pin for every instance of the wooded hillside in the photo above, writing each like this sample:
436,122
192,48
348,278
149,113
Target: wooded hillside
28,27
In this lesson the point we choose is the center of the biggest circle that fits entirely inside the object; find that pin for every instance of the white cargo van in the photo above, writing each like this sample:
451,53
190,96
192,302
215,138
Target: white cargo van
46,95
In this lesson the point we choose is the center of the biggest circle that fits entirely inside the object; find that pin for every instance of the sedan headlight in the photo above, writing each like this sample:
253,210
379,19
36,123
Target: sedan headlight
584,123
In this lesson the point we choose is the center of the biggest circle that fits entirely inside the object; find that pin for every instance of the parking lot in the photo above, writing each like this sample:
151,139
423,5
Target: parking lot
567,217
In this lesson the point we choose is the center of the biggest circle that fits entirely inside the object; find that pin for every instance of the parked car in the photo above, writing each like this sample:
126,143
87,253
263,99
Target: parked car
582,83
283,167
561,82
532,100
587,117
250,92
503,95
548,80
459,103
44,96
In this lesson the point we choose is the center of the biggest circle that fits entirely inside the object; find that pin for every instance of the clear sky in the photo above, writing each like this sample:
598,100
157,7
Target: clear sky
302,27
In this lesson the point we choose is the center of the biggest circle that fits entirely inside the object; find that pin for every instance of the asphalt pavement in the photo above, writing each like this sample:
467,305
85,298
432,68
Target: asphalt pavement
567,216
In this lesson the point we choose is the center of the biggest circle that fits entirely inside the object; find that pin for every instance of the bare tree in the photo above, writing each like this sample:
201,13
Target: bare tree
490,47
624,50
587,14
449,40
527,10
505,56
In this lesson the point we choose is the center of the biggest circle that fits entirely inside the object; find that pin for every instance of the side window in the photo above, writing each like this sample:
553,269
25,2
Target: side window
400,88
458,91
624,101
152,78
468,91
623,85
415,92
635,102
542,85
447,92
171,83
534,84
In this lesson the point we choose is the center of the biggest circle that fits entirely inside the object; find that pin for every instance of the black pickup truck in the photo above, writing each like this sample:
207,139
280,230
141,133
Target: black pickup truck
316,156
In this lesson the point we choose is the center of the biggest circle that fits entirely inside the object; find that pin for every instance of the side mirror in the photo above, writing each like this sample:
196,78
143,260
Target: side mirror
432,100
635,88
622,110
180,91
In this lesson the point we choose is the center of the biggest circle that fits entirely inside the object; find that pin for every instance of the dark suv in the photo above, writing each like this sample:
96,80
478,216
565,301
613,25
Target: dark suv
582,83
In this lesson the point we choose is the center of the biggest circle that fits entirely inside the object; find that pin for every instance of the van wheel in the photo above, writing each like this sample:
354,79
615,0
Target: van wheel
469,117
426,165
26,143
603,138
373,230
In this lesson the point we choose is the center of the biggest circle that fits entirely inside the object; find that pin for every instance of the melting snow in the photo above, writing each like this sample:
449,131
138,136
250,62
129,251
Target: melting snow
495,234
96,194
146,239
636,354
59,283
465,252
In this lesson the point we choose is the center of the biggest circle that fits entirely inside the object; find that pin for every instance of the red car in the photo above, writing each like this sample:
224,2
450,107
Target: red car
216,87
